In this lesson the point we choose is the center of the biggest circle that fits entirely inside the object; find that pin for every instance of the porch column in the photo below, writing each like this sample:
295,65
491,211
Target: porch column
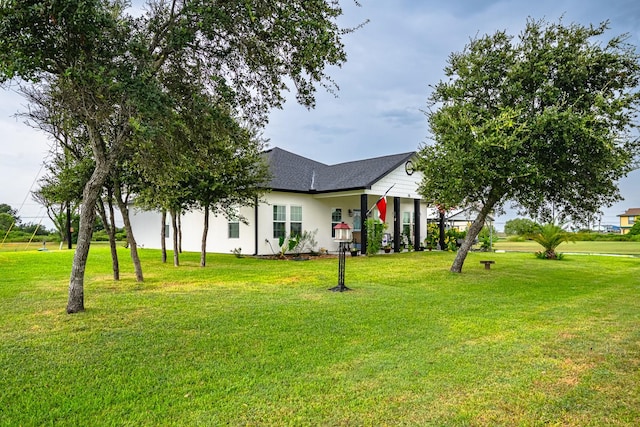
363,223
255,229
416,224
396,224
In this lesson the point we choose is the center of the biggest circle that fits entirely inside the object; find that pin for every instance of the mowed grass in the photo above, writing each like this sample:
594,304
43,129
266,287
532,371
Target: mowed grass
590,247
263,342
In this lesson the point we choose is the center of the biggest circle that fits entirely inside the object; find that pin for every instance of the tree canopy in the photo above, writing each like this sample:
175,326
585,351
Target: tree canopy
114,74
544,120
519,227
10,212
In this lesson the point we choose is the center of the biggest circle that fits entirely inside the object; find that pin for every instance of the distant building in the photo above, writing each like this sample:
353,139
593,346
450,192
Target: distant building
628,219
462,219
611,229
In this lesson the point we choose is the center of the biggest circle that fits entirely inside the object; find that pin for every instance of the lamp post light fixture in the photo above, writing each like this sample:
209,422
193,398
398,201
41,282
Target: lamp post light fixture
342,236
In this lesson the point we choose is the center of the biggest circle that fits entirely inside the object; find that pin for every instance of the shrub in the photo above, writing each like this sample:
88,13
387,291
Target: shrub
635,230
487,237
375,229
21,236
433,232
607,237
452,237
100,236
545,255
306,241
550,236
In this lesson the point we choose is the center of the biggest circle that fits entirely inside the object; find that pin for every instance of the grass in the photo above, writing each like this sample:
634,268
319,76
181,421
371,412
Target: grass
260,342
593,247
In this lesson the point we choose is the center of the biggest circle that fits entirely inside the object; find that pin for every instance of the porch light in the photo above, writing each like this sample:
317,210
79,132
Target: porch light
343,236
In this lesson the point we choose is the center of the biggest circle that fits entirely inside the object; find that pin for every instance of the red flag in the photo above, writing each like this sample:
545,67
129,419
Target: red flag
382,208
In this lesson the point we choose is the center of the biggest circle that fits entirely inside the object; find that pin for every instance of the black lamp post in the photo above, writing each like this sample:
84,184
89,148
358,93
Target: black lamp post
342,236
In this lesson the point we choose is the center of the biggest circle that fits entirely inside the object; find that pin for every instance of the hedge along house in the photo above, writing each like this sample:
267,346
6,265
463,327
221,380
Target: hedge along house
306,195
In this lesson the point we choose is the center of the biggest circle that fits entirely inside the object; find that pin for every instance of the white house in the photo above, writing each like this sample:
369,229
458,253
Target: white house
305,196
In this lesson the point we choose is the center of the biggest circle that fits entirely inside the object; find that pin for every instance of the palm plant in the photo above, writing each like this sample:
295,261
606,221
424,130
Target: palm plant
550,236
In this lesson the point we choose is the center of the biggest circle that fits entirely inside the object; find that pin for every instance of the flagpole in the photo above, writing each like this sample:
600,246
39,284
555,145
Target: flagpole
381,197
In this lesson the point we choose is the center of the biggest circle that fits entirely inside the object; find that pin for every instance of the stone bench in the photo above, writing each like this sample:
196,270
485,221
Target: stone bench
487,264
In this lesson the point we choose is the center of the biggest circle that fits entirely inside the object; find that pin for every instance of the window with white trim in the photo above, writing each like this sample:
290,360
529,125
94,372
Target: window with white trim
357,220
234,230
406,223
295,226
336,218
279,221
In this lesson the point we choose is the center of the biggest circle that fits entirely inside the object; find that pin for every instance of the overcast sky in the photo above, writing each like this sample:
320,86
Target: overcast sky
392,61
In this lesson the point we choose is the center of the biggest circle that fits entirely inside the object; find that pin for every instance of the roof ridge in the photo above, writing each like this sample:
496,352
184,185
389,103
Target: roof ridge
407,154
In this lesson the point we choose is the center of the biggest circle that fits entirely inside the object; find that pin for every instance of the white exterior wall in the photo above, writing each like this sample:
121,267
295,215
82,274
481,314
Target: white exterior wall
218,235
316,214
403,185
146,228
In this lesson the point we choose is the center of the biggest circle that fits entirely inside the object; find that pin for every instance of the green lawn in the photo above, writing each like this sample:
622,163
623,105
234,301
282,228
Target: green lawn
262,342
594,247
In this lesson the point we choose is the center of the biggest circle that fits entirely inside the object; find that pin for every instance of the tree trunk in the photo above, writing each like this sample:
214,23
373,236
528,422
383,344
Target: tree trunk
112,239
472,233
110,228
90,196
163,236
174,224
133,246
68,227
179,214
205,231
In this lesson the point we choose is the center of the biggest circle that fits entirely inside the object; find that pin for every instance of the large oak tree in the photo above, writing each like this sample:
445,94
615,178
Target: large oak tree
544,120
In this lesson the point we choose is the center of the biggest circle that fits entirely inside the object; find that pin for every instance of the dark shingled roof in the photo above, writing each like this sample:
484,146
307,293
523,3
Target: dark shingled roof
291,172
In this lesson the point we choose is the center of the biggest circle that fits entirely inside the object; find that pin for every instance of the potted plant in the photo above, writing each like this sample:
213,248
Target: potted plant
387,248
353,247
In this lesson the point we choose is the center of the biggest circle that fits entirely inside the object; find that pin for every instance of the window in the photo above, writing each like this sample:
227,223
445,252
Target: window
279,221
357,220
234,230
406,223
336,218
296,220
632,220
